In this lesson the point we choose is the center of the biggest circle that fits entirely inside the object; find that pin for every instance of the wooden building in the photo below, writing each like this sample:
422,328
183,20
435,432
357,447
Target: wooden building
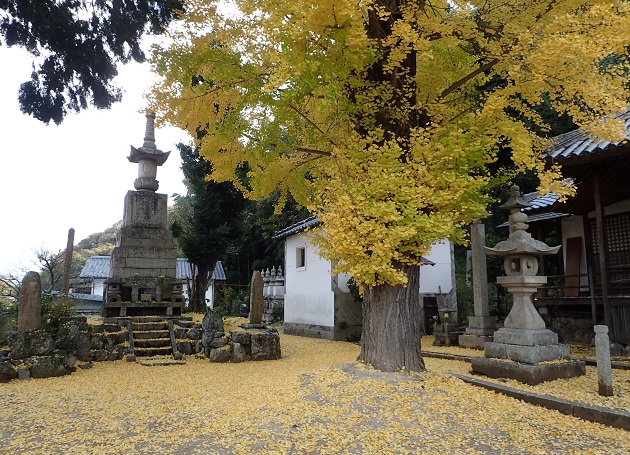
594,227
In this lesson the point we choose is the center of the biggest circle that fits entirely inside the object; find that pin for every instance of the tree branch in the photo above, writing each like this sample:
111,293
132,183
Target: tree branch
313,151
305,117
457,84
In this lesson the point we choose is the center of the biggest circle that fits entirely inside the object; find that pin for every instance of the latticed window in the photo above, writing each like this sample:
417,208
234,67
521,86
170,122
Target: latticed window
618,234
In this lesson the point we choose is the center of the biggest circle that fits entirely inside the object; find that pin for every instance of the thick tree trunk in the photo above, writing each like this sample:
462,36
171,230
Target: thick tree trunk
392,325
198,298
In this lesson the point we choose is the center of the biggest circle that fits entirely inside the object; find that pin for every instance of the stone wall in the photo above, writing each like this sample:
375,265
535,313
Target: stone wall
573,330
239,343
37,354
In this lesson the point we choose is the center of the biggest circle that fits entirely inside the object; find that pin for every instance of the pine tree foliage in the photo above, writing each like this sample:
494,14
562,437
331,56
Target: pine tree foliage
76,45
206,222
377,114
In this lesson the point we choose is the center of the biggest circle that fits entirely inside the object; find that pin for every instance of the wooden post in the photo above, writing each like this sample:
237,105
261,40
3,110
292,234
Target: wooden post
603,250
589,266
65,286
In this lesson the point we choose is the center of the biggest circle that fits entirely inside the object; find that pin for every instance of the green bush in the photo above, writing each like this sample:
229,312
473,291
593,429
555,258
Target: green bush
8,321
54,311
228,299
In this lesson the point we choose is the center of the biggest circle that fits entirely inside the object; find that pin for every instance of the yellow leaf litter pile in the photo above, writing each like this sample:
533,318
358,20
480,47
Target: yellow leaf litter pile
316,400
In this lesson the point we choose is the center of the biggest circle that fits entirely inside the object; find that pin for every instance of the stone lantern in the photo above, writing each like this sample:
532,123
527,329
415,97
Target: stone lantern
520,347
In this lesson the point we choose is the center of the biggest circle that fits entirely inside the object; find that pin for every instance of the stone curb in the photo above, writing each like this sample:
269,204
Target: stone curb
611,417
590,363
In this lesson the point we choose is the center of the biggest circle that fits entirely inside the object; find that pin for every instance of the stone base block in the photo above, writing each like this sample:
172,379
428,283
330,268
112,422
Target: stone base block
527,354
487,332
528,374
308,330
524,337
474,341
482,322
445,338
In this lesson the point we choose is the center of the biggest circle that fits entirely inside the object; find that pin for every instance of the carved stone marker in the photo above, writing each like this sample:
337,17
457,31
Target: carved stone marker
604,370
30,302
256,299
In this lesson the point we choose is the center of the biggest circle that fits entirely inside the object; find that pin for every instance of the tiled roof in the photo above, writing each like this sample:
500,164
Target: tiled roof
312,222
89,297
577,143
539,202
184,272
297,227
98,267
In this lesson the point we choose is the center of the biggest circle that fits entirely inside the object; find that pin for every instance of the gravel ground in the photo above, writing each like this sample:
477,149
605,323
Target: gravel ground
316,400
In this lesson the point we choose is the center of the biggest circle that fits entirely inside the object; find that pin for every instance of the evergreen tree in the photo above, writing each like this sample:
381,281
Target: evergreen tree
206,222
76,45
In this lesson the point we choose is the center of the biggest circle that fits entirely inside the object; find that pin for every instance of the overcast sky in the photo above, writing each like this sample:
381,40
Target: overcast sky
74,175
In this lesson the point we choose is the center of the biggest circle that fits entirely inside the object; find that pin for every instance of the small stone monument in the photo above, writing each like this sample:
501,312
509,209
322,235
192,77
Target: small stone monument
273,295
445,330
256,299
604,369
481,326
30,302
524,349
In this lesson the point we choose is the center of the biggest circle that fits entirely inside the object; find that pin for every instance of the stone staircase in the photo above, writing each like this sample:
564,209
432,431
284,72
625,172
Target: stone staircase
155,338
151,337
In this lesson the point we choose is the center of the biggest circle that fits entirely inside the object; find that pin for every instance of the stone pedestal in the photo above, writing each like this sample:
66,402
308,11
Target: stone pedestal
527,373
479,331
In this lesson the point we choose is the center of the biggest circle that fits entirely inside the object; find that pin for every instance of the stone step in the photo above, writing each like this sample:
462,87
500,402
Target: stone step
148,326
151,334
126,319
151,352
160,361
153,343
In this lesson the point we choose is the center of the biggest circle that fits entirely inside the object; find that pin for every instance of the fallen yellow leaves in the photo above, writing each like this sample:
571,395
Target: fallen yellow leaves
582,389
316,399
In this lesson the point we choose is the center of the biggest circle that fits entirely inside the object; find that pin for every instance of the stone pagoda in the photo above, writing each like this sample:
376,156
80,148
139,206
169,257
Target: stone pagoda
142,278
524,349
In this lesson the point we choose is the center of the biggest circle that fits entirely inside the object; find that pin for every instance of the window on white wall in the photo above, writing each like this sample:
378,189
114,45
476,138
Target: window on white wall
300,257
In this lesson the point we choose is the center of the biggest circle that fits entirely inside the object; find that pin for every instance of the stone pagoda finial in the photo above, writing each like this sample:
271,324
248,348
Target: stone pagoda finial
148,158
149,134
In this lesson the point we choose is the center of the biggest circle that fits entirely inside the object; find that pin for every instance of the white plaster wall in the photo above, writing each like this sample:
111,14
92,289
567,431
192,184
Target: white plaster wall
342,282
210,295
438,277
309,298
97,286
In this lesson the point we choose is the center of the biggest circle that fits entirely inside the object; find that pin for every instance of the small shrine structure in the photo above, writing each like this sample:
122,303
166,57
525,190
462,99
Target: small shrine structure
142,278
524,349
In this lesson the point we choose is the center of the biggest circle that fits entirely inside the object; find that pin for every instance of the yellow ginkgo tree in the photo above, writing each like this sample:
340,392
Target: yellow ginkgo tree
385,118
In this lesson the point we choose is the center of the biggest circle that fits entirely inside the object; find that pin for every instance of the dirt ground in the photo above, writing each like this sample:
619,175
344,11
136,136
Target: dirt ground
315,400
